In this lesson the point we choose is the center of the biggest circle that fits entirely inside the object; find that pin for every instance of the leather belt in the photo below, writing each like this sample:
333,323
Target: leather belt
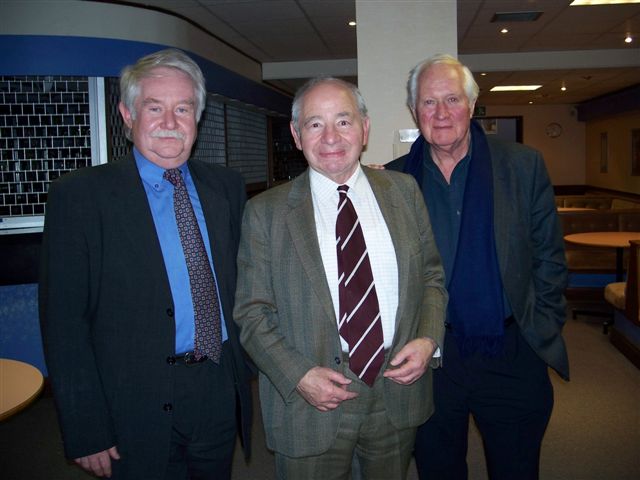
189,359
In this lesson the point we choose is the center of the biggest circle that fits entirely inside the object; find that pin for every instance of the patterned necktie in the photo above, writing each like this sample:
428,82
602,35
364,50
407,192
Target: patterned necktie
360,325
206,307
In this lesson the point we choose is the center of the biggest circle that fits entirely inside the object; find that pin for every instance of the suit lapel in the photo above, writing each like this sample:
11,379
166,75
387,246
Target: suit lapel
301,224
389,202
217,216
502,209
129,197
215,208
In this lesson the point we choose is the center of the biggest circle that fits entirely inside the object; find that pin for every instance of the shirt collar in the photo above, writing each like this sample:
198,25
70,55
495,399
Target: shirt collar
325,187
430,164
151,173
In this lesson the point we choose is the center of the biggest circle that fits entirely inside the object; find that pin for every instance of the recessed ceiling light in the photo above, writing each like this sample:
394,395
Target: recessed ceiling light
514,88
581,3
352,23
483,74
504,30
628,39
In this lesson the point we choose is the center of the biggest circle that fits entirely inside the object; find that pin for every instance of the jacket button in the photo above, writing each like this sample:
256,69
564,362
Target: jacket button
338,360
171,360
167,407
170,312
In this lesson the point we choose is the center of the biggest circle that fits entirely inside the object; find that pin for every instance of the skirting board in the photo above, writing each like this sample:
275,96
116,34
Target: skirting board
628,349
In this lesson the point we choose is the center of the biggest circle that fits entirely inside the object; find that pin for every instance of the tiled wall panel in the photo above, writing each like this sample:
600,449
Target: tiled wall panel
44,133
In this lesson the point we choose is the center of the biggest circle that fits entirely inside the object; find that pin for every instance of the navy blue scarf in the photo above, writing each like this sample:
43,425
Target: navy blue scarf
476,310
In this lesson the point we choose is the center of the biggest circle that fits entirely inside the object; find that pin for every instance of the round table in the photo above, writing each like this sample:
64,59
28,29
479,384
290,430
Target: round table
20,384
617,240
575,209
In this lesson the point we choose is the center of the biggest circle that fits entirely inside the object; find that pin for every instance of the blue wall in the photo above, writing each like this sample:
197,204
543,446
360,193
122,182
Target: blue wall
100,57
20,337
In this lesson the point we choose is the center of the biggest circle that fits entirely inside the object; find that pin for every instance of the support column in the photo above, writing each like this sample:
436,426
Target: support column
394,35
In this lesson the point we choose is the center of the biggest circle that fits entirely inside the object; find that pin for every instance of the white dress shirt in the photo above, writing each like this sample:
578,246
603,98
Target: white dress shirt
382,254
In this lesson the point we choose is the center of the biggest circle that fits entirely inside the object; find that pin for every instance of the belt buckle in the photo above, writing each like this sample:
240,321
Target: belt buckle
190,359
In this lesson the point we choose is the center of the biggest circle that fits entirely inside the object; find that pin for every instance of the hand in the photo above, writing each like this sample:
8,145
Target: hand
411,361
324,388
99,464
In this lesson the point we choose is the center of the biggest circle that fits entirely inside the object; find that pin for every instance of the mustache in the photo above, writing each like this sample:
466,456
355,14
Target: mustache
168,133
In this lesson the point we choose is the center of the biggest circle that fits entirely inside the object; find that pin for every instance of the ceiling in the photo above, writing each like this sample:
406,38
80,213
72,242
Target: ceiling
272,31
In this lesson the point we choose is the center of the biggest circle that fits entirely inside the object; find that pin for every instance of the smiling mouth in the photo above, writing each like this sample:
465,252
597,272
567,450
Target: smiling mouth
332,154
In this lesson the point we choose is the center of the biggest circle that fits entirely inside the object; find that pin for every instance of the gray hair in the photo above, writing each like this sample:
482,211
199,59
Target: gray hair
470,86
296,106
170,58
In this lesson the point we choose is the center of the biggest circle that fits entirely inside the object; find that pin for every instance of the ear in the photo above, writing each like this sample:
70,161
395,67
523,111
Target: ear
414,115
365,130
126,115
472,108
296,137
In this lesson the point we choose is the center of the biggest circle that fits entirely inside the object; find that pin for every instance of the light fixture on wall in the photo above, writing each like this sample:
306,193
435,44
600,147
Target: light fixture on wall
628,38
352,23
504,30
514,88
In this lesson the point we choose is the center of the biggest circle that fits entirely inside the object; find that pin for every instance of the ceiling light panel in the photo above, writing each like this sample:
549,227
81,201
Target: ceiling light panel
515,88
585,3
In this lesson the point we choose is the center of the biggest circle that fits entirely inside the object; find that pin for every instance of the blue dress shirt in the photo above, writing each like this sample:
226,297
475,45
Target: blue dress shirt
160,196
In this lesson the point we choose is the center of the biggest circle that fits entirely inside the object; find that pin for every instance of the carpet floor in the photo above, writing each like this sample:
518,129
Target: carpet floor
594,433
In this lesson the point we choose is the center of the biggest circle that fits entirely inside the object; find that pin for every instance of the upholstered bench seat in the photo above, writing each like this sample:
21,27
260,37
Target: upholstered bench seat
614,293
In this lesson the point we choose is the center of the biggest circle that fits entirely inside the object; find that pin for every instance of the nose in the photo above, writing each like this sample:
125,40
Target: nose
441,110
169,119
329,135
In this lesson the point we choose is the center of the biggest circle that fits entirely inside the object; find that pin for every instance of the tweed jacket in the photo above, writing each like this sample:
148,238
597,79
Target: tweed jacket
287,318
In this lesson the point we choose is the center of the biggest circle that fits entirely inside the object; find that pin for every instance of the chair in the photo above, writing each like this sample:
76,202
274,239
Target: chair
624,296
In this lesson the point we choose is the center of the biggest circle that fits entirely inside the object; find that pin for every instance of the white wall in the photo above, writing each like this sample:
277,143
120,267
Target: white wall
565,155
618,129
393,36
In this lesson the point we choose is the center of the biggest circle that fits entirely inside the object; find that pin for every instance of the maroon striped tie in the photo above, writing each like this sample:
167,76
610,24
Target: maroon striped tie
360,325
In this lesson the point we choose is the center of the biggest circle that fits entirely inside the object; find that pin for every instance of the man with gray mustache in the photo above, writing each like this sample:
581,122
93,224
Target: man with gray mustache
145,364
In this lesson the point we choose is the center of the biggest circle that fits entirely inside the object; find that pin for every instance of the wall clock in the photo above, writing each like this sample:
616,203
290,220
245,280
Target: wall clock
553,130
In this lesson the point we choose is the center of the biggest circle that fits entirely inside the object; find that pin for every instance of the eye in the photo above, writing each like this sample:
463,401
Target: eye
429,102
343,123
183,110
454,99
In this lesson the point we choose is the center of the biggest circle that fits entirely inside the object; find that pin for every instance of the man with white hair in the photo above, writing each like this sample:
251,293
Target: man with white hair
494,219
136,293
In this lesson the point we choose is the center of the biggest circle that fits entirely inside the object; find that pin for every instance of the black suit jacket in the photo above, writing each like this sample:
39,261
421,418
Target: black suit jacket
530,247
107,312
